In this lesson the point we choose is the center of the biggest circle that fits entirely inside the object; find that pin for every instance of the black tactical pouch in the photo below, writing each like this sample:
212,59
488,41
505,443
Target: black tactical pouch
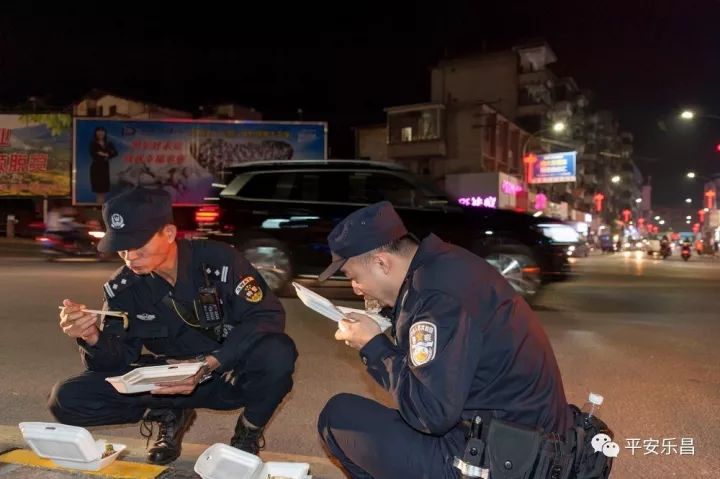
555,460
512,450
588,463
517,452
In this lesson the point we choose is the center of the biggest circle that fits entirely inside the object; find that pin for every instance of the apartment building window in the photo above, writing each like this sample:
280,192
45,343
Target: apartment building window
100,111
422,124
406,134
113,110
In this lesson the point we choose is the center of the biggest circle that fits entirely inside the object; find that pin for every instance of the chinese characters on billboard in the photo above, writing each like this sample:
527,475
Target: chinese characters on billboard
182,157
35,155
551,168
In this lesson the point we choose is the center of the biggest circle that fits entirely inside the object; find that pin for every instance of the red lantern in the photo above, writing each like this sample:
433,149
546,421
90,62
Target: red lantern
710,195
627,214
598,199
529,161
701,214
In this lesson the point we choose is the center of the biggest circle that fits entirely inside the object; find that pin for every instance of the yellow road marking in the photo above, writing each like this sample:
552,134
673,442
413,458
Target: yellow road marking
118,469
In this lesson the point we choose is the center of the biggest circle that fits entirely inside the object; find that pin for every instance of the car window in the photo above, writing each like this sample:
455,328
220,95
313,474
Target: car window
269,186
354,187
324,186
334,187
396,190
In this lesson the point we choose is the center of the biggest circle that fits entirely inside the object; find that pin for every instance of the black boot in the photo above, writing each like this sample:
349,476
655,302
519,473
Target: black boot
173,423
247,439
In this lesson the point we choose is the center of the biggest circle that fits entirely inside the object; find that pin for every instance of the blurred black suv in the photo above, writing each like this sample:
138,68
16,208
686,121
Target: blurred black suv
280,213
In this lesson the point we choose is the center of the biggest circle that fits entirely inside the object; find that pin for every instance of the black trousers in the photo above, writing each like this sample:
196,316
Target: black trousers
263,379
373,441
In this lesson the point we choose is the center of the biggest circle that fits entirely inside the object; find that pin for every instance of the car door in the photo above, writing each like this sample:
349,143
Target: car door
317,202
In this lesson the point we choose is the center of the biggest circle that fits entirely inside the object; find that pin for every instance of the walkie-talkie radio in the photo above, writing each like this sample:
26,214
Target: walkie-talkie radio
208,307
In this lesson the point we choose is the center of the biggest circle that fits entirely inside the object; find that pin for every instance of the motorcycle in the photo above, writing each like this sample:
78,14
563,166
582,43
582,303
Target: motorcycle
81,243
685,252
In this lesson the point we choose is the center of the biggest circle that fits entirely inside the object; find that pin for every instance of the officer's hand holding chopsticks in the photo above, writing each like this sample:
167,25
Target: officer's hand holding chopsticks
78,324
357,331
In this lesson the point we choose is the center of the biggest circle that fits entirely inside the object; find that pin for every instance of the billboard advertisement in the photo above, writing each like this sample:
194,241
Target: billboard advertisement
183,157
35,152
552,168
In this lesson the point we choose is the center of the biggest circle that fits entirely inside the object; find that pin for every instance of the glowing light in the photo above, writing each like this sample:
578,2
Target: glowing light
559,127
540,201
479,201
511,188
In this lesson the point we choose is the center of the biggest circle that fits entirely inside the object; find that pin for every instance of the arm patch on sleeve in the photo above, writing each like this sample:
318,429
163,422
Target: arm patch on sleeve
249,289
423,342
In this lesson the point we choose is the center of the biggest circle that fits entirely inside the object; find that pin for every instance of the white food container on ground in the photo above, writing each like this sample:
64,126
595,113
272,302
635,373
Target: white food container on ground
221,461
68,446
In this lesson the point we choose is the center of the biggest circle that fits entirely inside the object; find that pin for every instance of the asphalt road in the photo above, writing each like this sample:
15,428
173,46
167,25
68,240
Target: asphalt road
643,333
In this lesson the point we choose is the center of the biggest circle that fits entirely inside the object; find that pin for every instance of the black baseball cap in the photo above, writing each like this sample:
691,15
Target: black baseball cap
363,230
133,217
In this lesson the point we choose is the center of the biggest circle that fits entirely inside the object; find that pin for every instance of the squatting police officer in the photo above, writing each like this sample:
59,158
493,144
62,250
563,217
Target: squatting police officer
463,341
183,300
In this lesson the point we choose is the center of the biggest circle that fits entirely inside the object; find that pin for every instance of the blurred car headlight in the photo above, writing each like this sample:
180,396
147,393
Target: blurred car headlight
97,234
559,233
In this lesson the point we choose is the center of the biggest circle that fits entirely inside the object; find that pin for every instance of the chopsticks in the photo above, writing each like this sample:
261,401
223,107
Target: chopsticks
117,314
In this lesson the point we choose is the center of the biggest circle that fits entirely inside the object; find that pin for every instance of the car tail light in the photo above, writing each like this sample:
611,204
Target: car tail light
207,214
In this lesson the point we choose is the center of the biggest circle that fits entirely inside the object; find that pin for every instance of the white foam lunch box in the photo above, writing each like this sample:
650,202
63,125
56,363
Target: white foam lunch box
144,379
68,446
221,461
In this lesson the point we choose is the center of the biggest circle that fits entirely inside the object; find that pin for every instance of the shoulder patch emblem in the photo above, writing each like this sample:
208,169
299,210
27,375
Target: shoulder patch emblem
249,289
423,342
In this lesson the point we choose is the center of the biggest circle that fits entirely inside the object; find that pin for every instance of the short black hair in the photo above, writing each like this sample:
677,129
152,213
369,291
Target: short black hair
401,246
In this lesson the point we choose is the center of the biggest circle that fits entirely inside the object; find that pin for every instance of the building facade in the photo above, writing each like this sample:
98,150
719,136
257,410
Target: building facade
487,111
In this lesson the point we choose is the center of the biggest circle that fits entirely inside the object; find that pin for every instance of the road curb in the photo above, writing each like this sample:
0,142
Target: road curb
321,467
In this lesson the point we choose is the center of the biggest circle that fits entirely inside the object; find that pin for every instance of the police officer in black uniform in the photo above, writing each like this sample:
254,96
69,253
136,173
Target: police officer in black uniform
462,342
184,300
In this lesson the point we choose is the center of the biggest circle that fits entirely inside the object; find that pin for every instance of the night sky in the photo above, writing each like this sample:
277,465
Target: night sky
343,64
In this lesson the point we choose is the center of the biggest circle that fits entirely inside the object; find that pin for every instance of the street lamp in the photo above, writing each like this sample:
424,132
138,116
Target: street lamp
688,200
662,222
688,217
615,179
558,127
691,175
657,218
689,115
638,200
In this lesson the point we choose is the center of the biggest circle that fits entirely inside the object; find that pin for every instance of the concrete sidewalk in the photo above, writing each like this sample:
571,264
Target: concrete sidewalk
19,247
11,438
